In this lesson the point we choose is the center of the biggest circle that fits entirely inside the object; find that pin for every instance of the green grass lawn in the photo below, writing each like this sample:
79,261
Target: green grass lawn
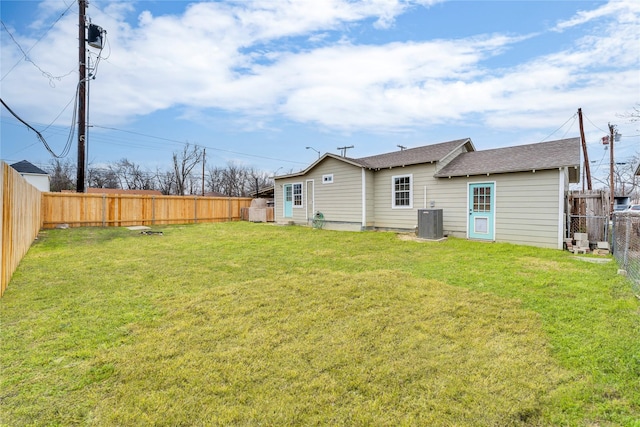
254,324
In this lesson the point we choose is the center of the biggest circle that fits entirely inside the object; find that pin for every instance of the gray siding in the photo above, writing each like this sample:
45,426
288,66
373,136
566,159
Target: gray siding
527,206
370,195
299,213
528,209
386,216
340,201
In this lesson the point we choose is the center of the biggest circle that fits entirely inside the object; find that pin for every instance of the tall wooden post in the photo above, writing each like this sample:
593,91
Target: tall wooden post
612,190
587,167
204,156
82,109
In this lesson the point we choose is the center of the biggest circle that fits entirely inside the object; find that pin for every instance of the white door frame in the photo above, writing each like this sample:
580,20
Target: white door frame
311,199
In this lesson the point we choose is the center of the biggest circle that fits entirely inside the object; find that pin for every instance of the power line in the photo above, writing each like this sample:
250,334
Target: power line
26,57
65,151
199,144
594,125
75,98
561,126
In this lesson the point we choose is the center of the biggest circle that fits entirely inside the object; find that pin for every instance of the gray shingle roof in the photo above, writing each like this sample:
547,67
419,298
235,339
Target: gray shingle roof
411,156
27,167
540,156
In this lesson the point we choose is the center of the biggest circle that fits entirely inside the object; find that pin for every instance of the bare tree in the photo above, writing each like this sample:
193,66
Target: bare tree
633,115
235,180
257,180
215,179
61,175
102,178
165,181
625,178
131,176
183,164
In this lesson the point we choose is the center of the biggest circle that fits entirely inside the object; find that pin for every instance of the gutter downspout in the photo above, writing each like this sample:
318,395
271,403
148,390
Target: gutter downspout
561,212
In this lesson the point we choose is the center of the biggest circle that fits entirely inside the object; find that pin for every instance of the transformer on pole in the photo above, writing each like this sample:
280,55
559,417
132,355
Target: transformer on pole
94,39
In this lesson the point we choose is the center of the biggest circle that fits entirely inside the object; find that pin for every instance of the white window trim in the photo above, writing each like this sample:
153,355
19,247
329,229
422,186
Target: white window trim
327,179
293,195
393,191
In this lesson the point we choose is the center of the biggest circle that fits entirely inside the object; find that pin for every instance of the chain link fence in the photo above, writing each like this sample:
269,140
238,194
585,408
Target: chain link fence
626,246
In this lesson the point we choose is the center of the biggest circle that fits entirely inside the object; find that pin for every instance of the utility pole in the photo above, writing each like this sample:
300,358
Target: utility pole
587,168
82,109
204,155
344,150
612,129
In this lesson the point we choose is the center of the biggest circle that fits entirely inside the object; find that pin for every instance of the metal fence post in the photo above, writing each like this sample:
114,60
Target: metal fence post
627,242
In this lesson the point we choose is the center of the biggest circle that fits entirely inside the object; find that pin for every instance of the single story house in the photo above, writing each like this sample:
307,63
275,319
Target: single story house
33,175
515,194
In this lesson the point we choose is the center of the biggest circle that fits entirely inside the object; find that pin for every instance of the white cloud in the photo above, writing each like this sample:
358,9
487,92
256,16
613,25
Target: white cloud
623,10
237,57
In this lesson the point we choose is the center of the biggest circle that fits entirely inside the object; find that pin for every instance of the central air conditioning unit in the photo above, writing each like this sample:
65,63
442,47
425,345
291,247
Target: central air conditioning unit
430,224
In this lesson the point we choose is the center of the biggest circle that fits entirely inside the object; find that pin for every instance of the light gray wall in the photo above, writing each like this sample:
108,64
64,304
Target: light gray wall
386,216
370,198
528,209
339,201
529,205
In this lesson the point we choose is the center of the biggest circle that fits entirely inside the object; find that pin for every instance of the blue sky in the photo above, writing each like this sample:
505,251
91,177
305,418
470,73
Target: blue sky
257,81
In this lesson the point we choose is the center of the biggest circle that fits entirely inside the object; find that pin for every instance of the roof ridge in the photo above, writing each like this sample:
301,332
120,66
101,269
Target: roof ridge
420,147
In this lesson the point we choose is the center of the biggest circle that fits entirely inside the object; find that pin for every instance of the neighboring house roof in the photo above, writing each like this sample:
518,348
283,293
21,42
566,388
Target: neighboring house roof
413,156
540,156
121,191
265,192
214,194
28,167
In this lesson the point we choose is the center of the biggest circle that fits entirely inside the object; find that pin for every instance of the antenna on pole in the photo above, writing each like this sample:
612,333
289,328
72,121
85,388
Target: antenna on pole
344,150
401,147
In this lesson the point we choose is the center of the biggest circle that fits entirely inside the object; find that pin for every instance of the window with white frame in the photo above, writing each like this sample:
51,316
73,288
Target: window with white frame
297,195
327,179
402,191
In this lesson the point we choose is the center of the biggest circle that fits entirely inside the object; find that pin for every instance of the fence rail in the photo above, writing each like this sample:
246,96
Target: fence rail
118,210
626,246
19,223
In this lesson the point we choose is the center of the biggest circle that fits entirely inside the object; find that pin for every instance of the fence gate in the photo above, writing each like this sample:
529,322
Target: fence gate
589,213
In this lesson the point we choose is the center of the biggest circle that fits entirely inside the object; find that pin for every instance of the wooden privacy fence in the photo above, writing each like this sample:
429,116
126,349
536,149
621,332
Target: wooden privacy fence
118,210
20,221
589,213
